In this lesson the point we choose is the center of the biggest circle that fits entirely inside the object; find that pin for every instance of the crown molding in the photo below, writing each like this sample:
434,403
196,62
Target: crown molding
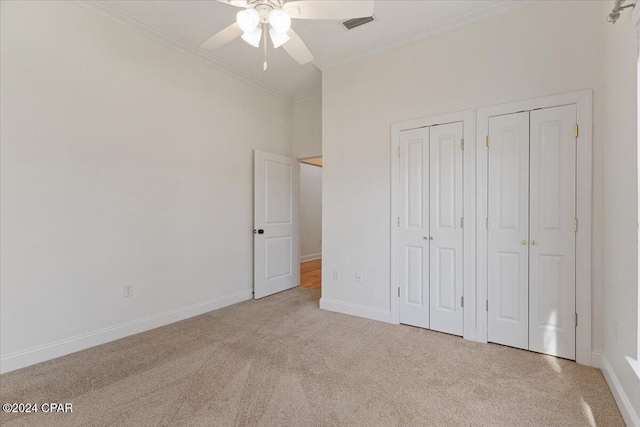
102,8
307,95
424,33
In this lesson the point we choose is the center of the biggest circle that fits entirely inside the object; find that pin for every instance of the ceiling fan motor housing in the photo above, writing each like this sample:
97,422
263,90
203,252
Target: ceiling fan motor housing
264,7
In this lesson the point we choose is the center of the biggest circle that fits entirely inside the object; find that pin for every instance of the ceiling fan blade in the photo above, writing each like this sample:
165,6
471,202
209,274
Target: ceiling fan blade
225,36
329,9
297,49
236,3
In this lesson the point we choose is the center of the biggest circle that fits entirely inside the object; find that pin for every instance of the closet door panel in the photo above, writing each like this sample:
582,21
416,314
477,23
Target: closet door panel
446,198
508,230
552,212
414,228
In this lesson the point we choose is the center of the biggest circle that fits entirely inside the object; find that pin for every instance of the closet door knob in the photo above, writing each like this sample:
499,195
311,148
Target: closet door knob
430,237
533,242
425,237
524,242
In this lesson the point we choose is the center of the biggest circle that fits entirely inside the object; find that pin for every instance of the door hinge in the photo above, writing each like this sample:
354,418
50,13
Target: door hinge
462,144
487,305
399,221
486,223
462,301
575,319
575,225
462,222
398,151
398,292
577,131
487,141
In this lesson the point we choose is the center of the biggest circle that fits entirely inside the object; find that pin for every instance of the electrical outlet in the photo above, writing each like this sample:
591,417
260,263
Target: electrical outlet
128,290
336,274
615,330
359,277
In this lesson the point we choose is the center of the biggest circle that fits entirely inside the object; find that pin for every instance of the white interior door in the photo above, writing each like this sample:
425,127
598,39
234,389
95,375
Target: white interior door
276,240
414,227
508,230
552,264
445,182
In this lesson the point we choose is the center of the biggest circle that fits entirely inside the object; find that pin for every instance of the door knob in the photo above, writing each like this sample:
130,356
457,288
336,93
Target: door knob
524,242
430,237
425,237
533,242
260,231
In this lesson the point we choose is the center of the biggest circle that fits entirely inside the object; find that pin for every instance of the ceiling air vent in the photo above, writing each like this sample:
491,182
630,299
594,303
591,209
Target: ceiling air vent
356,22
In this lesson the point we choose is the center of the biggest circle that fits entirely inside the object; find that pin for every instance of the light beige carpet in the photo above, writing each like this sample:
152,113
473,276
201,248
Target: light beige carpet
281,361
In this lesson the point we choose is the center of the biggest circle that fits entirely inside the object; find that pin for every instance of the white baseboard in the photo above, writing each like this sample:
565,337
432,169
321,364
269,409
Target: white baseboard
356,310
596,359
624,404
310,257
21,359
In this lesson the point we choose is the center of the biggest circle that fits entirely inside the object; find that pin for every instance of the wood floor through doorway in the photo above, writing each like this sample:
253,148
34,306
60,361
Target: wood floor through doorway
311,274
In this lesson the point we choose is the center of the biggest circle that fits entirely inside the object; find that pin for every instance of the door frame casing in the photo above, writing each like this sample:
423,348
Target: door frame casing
584,106
467,118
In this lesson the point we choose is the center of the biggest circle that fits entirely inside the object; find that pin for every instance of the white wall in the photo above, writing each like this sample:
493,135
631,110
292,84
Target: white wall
307,142
543,49
310,212
620,124
124,161
307,127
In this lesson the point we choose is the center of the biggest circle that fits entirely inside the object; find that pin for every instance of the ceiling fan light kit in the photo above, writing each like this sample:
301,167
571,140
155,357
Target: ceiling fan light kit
253,37
248,20
277,38
264,12
252,22
280,21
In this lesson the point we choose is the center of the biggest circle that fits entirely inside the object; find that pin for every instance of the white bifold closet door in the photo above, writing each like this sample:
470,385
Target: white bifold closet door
414,227
445,224
430,235
552,259
531,235
508,224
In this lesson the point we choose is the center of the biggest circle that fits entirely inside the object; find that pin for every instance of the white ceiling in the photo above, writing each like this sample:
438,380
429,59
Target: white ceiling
191,22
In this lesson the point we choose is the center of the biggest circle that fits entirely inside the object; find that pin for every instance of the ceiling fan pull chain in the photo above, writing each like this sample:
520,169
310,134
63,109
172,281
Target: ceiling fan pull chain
264,31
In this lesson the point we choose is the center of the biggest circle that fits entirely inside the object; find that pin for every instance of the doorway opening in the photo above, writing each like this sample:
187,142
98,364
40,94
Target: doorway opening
311,223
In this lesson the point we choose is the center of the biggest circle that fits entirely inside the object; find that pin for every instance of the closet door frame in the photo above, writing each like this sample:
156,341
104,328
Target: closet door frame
469,257
583,101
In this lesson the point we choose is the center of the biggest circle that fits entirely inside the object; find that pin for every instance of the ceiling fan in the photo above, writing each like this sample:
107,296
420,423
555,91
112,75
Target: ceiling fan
253,22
